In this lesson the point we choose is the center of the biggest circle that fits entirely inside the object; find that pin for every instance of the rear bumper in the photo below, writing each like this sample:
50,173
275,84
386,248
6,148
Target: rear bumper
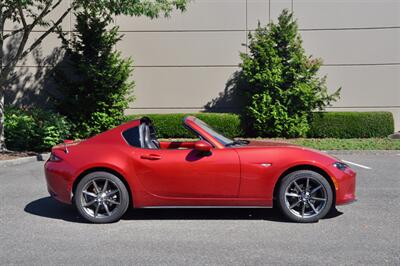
59,184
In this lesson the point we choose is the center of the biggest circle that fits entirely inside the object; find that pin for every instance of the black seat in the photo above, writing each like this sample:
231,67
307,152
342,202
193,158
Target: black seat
148,139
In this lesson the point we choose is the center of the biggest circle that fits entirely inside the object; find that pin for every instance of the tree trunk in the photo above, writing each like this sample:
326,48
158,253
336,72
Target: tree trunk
2,139
4,75
2,84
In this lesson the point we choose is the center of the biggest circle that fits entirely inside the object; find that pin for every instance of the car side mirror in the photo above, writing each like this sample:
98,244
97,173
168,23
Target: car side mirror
202,145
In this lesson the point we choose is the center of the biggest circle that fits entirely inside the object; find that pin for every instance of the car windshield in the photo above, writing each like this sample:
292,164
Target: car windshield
221,138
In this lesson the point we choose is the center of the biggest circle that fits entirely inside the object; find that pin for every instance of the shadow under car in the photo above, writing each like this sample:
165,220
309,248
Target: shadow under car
51,208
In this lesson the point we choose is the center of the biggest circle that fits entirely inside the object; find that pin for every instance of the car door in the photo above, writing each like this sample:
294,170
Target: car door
188,173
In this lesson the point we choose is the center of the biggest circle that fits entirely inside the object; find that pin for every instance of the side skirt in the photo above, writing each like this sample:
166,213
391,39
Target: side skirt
205,207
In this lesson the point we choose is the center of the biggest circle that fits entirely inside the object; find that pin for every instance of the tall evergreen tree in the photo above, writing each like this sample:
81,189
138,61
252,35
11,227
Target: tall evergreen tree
282,83
93,85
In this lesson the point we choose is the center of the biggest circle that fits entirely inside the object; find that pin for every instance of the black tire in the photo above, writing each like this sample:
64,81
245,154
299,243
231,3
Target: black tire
101,197
298,202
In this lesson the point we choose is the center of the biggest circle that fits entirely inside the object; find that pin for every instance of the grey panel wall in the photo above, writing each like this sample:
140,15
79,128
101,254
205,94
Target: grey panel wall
185,61
27,87
360,44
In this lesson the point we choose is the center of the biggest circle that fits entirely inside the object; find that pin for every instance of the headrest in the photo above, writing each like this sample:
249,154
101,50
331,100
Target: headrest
145,120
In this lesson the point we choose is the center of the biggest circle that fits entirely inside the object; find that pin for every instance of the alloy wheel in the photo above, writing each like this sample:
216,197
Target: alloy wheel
100,198
306,197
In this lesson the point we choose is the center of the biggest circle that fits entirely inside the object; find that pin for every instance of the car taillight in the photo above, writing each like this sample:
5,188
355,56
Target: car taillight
54,158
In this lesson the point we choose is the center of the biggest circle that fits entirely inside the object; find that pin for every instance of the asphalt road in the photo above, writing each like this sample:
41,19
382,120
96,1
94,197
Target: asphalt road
36,230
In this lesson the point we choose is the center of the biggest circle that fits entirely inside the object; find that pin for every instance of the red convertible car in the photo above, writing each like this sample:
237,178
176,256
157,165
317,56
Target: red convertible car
127,166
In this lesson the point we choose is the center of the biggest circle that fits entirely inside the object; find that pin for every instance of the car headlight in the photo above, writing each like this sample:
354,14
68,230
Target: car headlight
341,166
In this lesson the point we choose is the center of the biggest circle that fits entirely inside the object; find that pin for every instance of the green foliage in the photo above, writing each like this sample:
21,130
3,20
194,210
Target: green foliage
324,125
346,144
34,129
96,93
10,9
171,125
282,87
351,125
148,8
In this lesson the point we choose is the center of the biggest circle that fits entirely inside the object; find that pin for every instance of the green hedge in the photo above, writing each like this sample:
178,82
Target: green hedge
38,130
324,125
170,125
347,125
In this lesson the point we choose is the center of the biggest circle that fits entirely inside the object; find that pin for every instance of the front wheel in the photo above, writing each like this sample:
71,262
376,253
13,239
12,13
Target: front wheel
305,196
101,197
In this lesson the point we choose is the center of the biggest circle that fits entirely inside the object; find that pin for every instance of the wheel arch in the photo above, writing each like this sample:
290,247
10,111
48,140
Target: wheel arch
104,169
305,167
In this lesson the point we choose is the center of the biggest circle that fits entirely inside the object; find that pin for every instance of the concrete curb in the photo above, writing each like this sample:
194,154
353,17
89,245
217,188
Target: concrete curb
374,152
18,161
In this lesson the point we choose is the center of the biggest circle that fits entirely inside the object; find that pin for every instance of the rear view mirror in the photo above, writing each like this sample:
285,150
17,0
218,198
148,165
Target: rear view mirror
202,145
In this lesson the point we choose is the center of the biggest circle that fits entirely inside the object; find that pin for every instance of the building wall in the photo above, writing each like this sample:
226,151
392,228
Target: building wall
185,61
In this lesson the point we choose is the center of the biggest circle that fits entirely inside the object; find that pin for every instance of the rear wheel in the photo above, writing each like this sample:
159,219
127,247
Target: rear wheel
101,197
305,196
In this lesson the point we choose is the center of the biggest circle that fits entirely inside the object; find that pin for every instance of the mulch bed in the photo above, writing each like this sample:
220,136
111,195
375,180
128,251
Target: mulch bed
9,155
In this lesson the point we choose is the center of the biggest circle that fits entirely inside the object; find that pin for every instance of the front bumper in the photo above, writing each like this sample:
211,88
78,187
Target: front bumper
345,185
59,184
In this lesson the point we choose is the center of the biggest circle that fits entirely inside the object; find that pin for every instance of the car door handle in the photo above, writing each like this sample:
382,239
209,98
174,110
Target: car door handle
151,157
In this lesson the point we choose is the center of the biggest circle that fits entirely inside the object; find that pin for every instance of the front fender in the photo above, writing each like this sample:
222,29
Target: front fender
262,168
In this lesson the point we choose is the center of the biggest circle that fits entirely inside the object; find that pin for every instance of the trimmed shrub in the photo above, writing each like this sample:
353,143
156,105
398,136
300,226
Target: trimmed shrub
351,125
34,129
170,125
324,125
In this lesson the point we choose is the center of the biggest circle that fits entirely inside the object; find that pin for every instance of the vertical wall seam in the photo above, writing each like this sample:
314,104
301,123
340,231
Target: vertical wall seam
269,11
70,21
115,22
246,27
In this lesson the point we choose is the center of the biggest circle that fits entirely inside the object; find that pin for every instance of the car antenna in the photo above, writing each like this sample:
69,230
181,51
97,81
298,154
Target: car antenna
65,147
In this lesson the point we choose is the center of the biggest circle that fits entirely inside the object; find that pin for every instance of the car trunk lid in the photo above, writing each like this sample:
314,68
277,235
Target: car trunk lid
66,144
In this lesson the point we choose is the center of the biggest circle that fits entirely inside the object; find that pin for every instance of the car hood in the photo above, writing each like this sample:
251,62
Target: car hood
256,144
